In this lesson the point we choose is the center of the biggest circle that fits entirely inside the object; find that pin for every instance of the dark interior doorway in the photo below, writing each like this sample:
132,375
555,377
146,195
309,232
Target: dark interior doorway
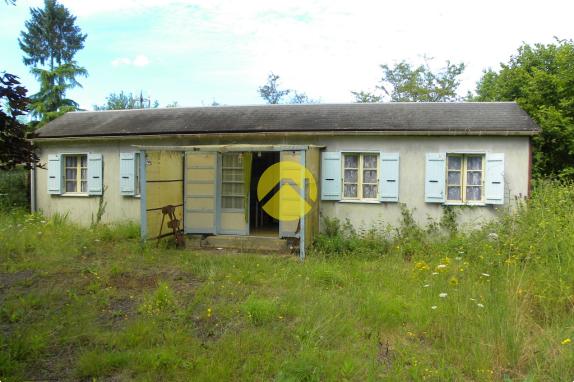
260,223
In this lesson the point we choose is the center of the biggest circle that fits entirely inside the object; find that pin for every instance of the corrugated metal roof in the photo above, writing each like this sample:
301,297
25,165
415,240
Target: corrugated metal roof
393,117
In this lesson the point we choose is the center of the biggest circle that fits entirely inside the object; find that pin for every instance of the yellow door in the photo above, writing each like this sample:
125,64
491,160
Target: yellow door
235,179
200,192
163,186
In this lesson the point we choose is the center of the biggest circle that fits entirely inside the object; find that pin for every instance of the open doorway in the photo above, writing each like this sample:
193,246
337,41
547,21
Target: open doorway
260,223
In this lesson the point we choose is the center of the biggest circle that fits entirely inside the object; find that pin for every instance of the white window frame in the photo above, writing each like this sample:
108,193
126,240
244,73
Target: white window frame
223,181
78,174
463,178
360,182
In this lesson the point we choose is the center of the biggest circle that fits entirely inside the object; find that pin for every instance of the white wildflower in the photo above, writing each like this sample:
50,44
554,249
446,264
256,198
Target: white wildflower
433,307
493,236
443,295
485,274
426,285
435,273
480,305
458,258
441,266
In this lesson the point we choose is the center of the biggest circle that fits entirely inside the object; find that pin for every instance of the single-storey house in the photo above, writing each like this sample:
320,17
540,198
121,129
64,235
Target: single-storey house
365,159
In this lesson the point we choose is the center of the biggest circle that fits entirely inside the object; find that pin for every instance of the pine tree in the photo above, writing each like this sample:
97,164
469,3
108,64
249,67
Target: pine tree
50,43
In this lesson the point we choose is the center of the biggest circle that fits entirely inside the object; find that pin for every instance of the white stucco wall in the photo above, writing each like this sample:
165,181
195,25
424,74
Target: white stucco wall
412,152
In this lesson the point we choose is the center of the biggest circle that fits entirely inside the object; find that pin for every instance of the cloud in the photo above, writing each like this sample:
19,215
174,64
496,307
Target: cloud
140,61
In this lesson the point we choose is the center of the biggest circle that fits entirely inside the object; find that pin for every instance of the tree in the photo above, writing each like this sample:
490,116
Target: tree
124,101
540,79
50,43
366,97
15,149
406,83
270,91
273,95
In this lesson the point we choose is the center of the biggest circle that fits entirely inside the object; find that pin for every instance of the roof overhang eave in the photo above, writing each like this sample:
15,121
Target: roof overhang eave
296,133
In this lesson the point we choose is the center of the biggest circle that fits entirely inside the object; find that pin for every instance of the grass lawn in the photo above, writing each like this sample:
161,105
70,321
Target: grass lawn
95,304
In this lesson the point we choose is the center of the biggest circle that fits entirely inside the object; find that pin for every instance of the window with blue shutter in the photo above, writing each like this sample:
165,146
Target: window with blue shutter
54,174
95,174
389,177
331,176
494,179
128,174
435,178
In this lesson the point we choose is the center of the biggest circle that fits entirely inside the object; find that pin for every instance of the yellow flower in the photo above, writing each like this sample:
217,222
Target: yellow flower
421,266
566,341
208,312
453,281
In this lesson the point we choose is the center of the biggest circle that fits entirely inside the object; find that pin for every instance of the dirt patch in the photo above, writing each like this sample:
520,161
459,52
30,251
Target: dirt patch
9,280
179,281
119,311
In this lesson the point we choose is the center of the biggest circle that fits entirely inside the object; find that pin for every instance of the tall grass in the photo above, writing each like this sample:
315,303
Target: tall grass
403,303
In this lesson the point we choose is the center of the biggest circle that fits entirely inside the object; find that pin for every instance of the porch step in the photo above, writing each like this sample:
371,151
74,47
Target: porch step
241,243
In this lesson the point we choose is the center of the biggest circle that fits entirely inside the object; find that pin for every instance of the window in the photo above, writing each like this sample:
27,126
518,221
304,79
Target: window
76,173
465,178
360,176
233,194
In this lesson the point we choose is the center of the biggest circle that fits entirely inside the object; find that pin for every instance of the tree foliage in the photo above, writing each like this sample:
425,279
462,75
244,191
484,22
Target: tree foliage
540,79
404,82
14,148
272,94
125,101
50,42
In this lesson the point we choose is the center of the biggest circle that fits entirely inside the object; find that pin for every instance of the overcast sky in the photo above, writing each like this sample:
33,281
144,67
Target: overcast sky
195,52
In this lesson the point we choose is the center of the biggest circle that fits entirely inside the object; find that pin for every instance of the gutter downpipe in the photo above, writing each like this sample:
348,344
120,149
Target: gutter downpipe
33,204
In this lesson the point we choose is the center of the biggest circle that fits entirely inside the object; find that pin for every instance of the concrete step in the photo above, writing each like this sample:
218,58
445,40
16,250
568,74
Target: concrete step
260,244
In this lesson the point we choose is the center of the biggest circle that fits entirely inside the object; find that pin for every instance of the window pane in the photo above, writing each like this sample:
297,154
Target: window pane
454,177
84,160
351,176
351,161
350,191
454,162
84,174
71,186
232,160
71,161
474,178
84,186
370,176
71,174
226,202
369,161
370,191
232,175
473,193
474,163
453,193
232,189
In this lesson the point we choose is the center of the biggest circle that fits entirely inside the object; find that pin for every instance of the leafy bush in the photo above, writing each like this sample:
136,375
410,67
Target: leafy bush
14,189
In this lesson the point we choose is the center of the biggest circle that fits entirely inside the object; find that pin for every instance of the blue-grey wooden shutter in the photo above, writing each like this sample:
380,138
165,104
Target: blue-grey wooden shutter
54,174
127,173
494,179
435,178
330,175
95,184
389,177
